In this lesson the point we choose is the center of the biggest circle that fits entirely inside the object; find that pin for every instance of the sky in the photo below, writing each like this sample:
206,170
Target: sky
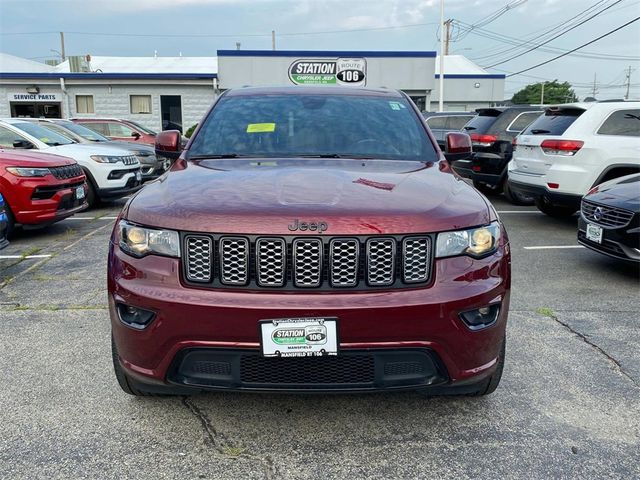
483,30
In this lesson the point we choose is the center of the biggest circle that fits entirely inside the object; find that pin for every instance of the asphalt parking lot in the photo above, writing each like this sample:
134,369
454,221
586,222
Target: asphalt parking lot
568,405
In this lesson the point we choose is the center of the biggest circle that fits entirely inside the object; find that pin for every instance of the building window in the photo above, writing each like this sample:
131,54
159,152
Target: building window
140,103
84,104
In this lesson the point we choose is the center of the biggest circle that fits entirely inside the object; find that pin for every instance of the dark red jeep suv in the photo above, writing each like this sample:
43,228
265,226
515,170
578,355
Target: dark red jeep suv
309,239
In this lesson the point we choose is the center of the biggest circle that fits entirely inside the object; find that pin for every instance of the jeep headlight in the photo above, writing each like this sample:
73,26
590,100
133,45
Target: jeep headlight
107,158
28,171
475,242
139,241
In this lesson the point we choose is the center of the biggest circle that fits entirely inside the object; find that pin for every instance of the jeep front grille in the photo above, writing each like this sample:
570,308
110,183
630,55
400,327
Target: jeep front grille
67,171
604,215
307,262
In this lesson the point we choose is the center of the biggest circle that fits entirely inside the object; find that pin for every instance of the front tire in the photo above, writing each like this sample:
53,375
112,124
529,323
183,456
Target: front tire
555,211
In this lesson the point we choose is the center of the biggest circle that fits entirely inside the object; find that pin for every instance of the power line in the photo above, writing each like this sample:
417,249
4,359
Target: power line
225,35
514,41
577,48
558,35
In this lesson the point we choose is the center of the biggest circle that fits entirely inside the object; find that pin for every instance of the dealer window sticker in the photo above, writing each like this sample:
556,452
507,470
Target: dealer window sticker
396,106
261,127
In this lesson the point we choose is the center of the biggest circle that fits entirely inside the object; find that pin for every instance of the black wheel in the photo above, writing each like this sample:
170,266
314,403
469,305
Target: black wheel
92,197
11,221
516,198
487,189
555,211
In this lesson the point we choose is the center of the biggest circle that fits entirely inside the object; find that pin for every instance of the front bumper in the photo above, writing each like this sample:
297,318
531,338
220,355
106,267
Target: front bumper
42,202
620,243
402,322
133,185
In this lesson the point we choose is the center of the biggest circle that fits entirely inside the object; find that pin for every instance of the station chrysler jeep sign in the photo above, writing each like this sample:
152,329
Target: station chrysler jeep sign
341,71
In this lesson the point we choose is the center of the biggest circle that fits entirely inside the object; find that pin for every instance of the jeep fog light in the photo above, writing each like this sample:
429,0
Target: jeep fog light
135,317
482,317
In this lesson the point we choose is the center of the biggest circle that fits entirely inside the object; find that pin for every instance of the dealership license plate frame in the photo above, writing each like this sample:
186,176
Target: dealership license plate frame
80,193
308,348
594,233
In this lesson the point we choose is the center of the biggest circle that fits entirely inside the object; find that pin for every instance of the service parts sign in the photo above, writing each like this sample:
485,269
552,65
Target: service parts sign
341,71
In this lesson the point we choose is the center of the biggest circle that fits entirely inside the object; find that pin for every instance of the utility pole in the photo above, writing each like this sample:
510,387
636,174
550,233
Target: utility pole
273,39
441,83
447,35
62,46
542,94
594,90
628,82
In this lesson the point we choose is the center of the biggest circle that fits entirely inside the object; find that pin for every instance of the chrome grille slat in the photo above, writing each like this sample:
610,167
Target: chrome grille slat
344,261
307,262
199,258
271,261
416,255
607,216
381,253
234,260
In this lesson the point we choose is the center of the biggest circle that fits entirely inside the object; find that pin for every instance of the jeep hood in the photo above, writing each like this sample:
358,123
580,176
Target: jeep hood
350,196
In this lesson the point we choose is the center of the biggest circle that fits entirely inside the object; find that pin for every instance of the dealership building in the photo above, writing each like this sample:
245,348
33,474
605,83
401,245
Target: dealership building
170,92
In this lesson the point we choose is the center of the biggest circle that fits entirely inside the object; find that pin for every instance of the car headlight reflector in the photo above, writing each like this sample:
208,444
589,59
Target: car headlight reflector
475,242
28,172
139,241
106,158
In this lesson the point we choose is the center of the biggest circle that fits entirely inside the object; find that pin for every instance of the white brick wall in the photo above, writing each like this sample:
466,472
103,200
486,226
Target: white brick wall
113,100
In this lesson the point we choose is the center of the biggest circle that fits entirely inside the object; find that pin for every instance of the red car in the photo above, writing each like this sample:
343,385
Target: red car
309,240
40,189
118,129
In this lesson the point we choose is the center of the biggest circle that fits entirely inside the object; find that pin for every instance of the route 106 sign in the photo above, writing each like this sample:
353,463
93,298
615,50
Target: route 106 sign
341,71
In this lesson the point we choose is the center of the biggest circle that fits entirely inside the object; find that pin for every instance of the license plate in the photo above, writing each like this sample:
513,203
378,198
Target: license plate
594,233
299,337
79,193
138,176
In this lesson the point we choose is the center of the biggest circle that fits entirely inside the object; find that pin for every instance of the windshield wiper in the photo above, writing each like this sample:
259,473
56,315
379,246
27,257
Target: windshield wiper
537,131
220,155
337,155
470,128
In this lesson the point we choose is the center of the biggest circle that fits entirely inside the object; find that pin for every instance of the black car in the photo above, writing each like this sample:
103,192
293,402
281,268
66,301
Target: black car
492,132
441,123
4,224
610,218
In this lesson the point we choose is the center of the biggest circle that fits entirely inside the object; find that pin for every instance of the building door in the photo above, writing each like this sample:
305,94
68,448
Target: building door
36,110
171,112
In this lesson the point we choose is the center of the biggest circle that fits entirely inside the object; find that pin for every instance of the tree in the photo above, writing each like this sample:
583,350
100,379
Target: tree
554,92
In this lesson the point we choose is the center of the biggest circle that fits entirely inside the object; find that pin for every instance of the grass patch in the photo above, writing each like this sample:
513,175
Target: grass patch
546,312
233,452
30,251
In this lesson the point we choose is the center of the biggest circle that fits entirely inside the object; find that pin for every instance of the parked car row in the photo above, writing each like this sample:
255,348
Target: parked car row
51,169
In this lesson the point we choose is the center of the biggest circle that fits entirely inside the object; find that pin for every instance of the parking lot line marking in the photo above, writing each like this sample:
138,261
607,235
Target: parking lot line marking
552,247
91,218
25,257
518,211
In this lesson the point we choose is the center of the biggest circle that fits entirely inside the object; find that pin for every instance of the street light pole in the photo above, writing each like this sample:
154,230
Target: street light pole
441,78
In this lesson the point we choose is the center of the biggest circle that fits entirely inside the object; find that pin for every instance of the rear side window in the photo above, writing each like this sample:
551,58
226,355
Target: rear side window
436,122
553,122
482,122
101,128
623,122
456,122
521,121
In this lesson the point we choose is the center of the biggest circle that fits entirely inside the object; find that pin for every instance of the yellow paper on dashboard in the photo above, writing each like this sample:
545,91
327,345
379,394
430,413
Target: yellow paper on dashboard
261,127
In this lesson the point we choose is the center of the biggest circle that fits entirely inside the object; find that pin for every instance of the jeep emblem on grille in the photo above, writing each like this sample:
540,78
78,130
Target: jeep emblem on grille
297,225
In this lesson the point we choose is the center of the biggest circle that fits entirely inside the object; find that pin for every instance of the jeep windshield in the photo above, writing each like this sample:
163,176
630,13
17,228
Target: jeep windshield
313,126
45,135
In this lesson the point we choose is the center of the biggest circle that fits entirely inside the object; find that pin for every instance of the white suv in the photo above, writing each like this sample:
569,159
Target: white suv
111,172
572,148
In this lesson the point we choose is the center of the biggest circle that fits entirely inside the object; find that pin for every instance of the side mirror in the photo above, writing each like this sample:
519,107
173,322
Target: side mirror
135,135
457,146
169,144
23,144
